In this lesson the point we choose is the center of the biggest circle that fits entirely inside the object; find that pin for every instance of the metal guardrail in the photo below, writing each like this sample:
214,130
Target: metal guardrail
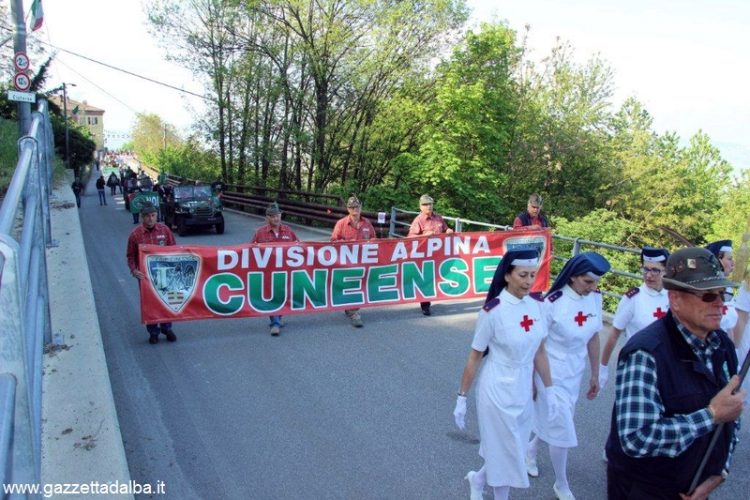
399,227
256,199
25,325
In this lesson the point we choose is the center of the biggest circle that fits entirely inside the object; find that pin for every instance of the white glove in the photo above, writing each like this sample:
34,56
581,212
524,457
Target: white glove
603,376
553,403
460,412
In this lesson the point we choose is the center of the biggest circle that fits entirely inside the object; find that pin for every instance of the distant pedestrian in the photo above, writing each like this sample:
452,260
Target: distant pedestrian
532,218
353,227
149,233
113,182
77,190
100,183
218,187
427,223
122,179
274,232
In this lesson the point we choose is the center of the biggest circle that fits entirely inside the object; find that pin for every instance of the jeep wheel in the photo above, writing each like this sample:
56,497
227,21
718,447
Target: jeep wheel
220,228
181,227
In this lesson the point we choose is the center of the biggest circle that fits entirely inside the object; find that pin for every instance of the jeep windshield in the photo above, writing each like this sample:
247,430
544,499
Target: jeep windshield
186,192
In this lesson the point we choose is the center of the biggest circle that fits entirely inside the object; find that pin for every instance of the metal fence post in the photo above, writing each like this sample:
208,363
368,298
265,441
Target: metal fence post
392,226
576,247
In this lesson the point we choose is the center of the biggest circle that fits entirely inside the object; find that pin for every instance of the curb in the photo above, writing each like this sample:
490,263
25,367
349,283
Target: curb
81,439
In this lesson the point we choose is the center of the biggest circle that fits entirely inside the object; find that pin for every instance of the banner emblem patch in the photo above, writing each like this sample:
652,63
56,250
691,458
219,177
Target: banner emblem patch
173,277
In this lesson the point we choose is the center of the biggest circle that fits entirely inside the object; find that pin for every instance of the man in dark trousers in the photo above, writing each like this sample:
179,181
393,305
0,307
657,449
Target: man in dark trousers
100,183
274,231
532,218
77,190
149,232
674,387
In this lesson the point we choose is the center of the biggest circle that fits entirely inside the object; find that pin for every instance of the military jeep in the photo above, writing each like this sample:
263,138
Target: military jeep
190,206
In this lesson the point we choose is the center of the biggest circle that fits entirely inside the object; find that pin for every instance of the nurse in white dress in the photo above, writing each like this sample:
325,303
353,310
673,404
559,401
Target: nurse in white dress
639,307
511,325
722,250
572,309
742,329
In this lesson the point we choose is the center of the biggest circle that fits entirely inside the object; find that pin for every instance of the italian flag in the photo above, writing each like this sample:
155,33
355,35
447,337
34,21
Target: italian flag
37,15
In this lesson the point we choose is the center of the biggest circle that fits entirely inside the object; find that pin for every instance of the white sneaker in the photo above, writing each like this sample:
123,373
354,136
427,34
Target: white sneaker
531,467
565,494
474,492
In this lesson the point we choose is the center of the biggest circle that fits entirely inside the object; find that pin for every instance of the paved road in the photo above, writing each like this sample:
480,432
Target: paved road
323,411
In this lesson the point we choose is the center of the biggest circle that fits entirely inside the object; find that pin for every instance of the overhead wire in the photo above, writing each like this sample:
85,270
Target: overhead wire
95,85
110,66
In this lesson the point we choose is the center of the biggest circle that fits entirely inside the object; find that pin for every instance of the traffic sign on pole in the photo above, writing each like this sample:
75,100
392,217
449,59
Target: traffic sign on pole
21,60
21,81
21,96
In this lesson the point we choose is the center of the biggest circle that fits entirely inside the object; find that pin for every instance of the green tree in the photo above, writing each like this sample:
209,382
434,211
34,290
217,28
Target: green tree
151,135
660,184
464,144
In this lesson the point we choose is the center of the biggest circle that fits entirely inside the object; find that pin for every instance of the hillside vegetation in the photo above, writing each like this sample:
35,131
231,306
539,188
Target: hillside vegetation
390,100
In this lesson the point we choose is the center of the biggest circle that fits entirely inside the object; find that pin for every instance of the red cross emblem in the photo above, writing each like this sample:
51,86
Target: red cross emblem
580,318
724,310
527,322
659,314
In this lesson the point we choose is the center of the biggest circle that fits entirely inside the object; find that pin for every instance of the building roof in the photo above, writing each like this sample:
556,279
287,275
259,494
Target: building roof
84,107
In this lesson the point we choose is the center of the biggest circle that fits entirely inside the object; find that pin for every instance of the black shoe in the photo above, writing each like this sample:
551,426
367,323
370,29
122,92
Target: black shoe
153,339
426,310
171,337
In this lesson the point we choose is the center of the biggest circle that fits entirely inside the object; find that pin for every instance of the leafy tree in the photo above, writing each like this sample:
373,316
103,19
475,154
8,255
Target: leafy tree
660,184
151,135
464,145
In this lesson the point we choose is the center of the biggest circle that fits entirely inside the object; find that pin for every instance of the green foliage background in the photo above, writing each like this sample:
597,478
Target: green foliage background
390,100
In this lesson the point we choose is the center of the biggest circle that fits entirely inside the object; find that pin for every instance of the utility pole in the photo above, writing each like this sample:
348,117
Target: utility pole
67,134
19,45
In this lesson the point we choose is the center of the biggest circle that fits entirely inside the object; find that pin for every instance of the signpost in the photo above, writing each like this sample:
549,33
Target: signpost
21,81
21,96
21,61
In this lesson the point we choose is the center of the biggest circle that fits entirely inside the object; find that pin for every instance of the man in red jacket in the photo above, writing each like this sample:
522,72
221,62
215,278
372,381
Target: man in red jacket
274,231
427,223
353,228
150,232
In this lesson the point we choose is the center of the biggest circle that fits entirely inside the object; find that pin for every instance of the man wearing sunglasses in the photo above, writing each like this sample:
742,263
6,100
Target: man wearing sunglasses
674,386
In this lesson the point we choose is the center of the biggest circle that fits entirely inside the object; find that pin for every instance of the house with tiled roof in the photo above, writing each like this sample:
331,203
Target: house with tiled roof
85,114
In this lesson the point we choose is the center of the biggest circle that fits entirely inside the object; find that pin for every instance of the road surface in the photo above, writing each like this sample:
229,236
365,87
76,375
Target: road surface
322,411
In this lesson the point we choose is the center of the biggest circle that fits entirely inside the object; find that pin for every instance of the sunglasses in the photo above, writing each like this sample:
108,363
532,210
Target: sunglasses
710,297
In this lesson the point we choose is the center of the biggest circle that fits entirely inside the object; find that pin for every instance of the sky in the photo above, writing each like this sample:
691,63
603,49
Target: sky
685,60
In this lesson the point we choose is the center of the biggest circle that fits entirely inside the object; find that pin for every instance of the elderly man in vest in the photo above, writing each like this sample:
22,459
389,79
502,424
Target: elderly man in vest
532,218
675,380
